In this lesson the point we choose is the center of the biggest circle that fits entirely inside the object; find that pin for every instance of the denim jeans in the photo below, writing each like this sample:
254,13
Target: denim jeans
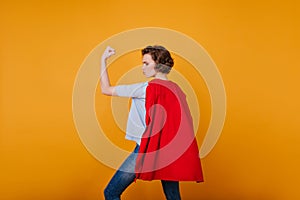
125,175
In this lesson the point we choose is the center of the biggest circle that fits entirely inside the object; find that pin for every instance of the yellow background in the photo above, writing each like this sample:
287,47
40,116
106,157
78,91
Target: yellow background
255,45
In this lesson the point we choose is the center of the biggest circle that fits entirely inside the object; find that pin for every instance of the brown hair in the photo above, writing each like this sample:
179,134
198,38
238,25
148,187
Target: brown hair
161,56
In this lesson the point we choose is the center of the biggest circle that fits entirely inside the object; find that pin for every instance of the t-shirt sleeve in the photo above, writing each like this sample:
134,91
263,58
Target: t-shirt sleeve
137,90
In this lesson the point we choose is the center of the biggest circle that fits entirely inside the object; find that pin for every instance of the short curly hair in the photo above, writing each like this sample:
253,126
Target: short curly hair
161,56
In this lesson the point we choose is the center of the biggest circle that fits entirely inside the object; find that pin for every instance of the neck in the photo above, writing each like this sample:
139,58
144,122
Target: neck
161,76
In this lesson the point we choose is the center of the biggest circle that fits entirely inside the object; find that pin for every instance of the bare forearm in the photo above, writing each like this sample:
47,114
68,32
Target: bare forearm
104,79
106,87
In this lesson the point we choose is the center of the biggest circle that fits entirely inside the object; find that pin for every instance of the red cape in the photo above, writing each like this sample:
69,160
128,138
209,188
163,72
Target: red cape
168,149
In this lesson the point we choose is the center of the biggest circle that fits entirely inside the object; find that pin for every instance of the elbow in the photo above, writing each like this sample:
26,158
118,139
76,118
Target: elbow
106,91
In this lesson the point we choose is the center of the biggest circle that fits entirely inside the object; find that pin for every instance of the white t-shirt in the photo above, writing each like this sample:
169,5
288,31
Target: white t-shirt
136,119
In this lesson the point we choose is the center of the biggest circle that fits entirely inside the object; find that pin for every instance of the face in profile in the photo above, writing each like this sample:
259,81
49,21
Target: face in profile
148,66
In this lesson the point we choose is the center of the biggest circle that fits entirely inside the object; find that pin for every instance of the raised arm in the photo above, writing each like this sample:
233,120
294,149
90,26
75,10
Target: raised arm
106,88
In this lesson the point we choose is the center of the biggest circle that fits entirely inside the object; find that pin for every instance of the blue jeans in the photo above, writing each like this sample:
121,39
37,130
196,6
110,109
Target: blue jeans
125,175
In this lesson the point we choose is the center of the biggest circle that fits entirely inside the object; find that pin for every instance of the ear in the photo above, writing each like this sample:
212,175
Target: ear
158,66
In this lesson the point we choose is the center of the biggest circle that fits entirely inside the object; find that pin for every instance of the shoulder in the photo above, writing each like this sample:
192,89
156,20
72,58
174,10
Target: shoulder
166,87
166,84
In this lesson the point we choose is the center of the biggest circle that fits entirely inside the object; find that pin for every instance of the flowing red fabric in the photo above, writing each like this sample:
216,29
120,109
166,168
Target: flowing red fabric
168,149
